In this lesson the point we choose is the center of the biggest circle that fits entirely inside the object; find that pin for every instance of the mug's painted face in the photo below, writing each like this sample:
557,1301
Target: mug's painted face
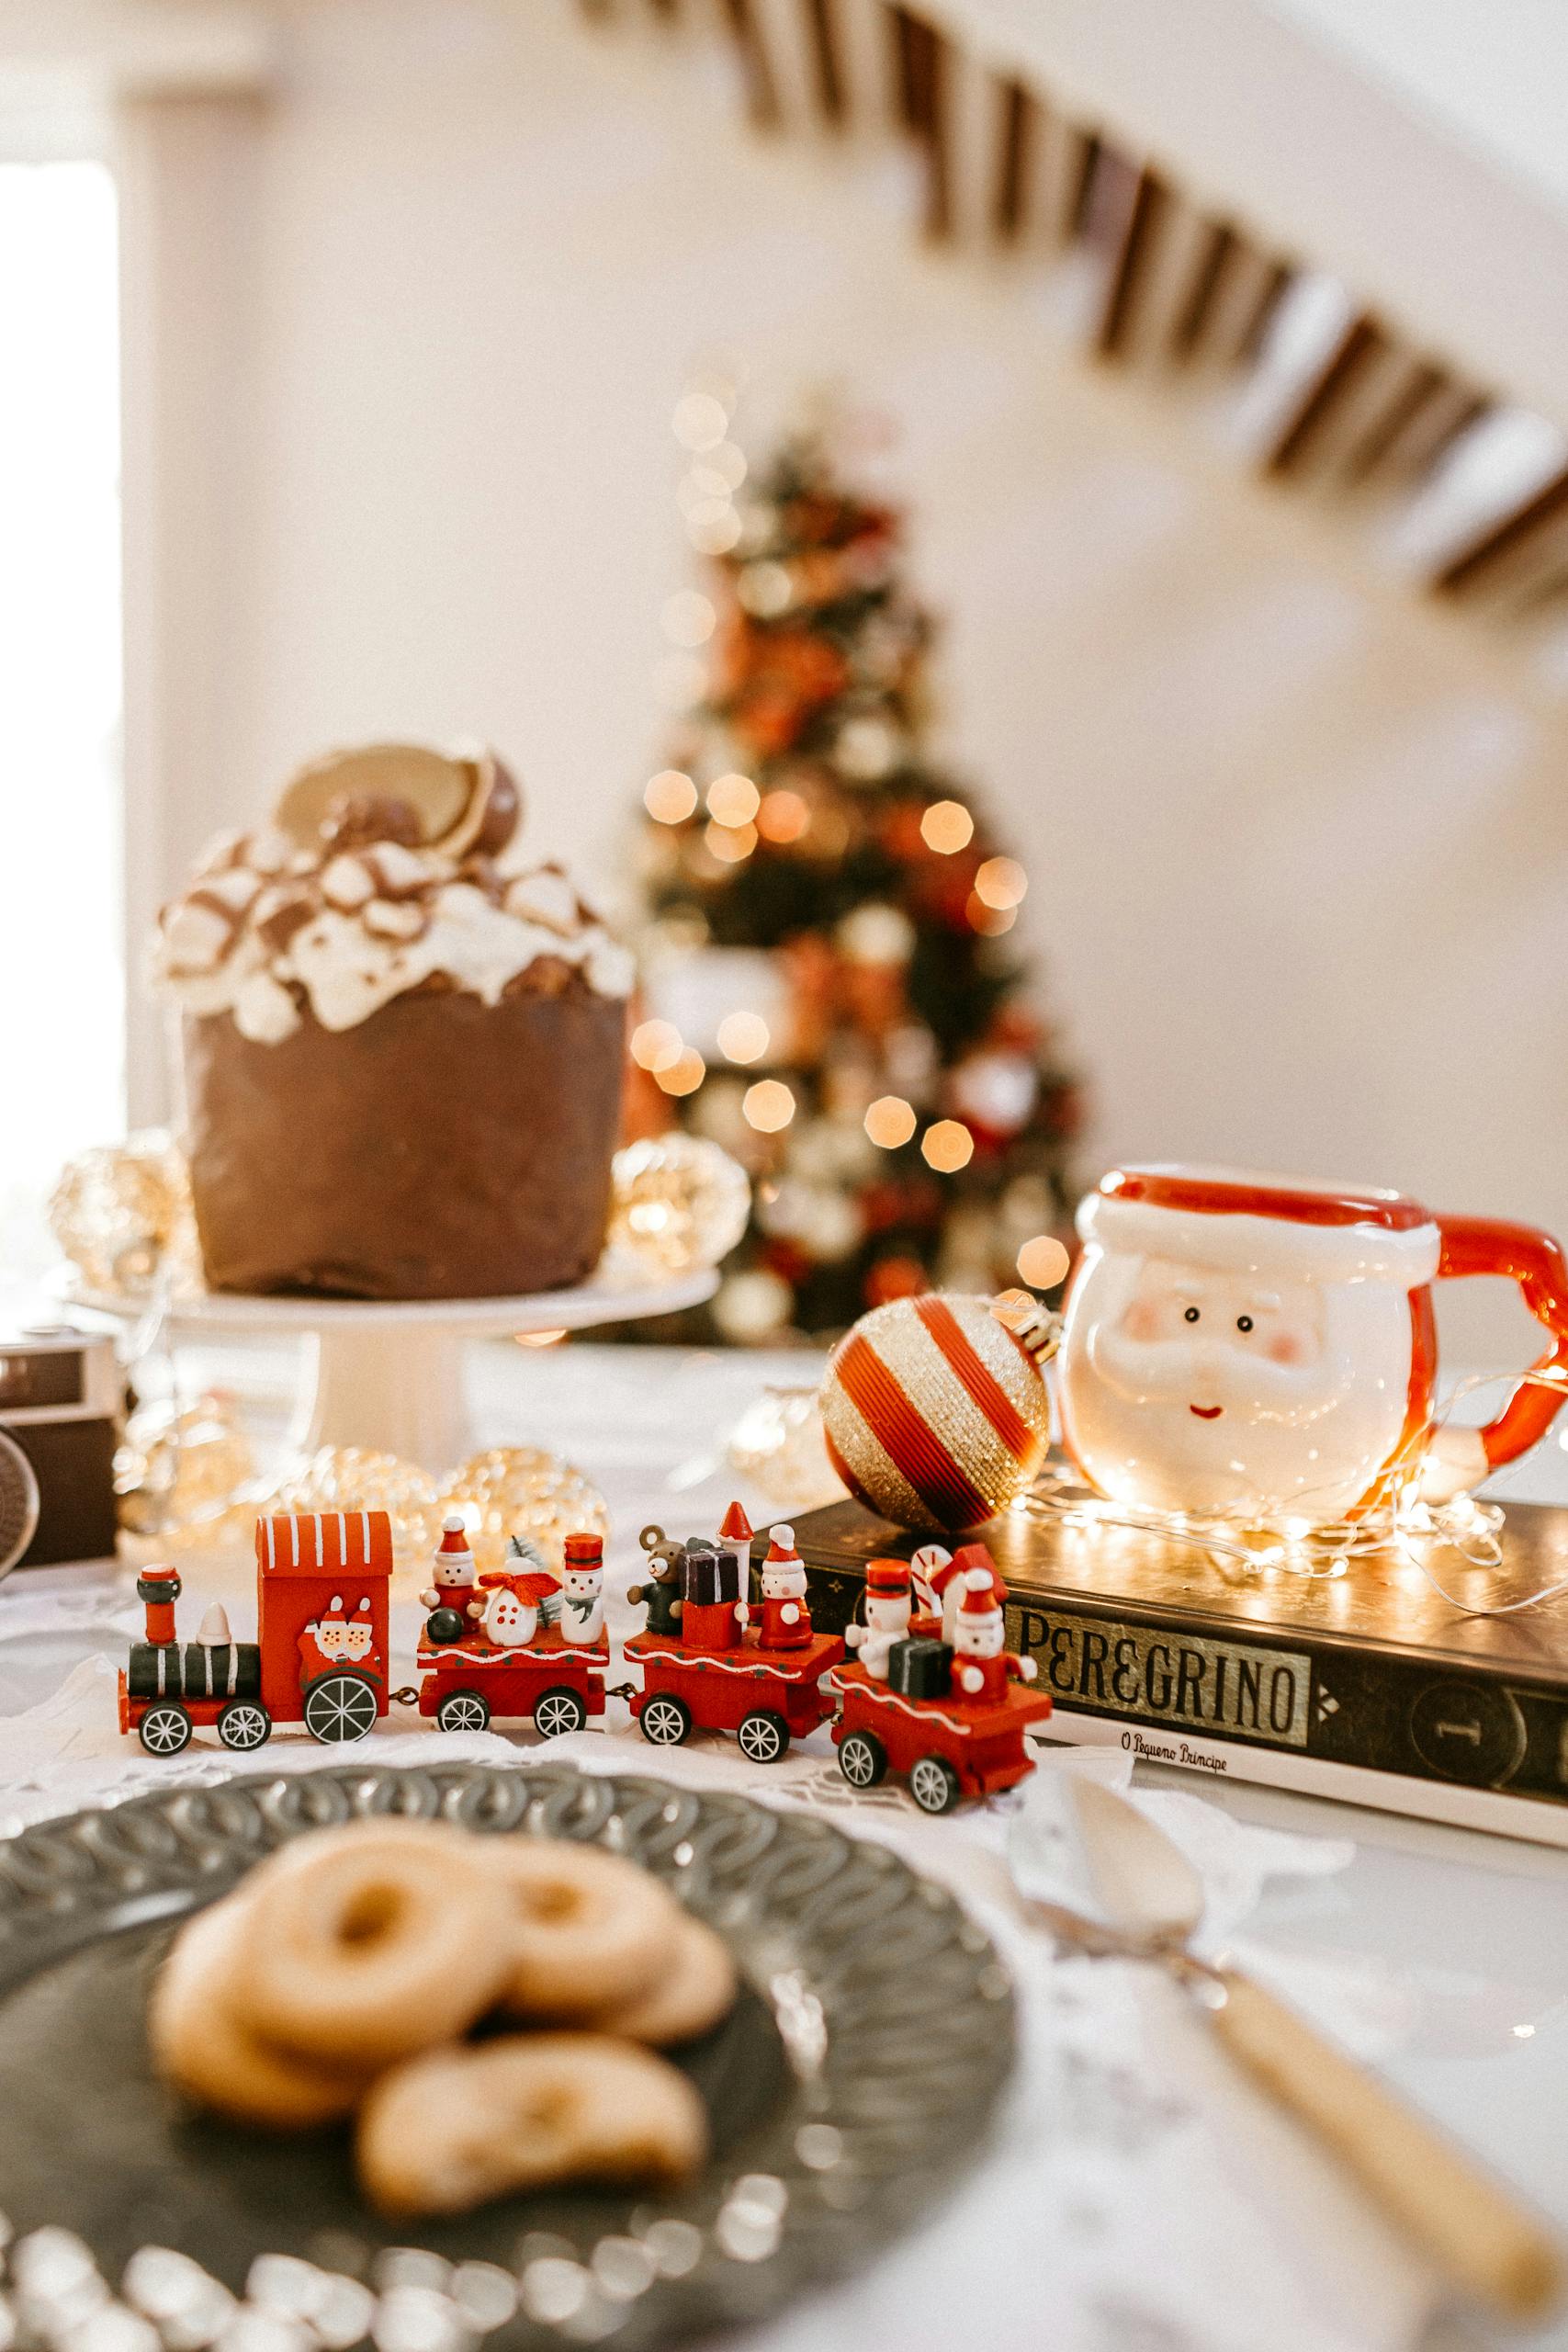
1190,1389
1220,1344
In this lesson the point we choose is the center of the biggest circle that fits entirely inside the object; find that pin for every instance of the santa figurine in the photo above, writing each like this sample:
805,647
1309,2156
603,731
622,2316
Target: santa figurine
786,1619
982,1669
582,1590
887,1607
455,1585
341,1638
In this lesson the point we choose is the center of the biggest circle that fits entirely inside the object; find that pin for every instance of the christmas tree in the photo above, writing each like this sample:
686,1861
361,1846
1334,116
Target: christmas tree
831,990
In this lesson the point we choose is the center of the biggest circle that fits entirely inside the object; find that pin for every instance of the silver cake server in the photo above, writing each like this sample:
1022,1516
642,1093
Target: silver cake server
1481,2238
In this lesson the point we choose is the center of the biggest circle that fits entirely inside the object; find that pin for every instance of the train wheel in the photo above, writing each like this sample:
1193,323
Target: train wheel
464,1710
934,1784
164,1729
863,1759
764,1737
244,1723
340,1707
666,1721
560,1709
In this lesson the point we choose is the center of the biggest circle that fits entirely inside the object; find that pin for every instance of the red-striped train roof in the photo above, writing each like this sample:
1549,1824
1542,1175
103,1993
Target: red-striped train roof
323,1542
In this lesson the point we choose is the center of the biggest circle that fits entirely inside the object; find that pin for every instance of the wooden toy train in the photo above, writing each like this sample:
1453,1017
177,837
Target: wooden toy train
931,1693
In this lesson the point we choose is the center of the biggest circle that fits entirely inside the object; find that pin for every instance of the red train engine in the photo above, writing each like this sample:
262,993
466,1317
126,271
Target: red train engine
712,1662
320,1654
516,1644
949,1716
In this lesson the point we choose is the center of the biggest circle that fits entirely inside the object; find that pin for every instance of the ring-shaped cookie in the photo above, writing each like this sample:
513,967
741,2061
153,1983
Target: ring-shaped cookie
689,1996
590,1931
204,2048
373,1942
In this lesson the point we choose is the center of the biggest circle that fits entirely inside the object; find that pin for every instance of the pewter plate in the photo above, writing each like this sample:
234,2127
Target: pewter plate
856,2079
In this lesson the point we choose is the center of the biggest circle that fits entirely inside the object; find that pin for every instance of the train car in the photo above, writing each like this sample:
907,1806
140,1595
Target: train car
945,1748
950,1715
322,1648
709,1663
515,1646
553,1682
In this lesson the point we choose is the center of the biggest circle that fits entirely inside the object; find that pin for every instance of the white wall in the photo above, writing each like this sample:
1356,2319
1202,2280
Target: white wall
1299,845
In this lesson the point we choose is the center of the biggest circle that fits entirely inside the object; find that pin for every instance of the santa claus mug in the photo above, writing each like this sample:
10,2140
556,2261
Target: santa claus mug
1240,1344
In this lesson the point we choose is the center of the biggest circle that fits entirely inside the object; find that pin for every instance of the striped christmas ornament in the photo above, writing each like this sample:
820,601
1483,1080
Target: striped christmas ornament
934,1413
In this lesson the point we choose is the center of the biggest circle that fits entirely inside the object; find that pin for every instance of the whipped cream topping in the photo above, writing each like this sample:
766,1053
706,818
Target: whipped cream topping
268,933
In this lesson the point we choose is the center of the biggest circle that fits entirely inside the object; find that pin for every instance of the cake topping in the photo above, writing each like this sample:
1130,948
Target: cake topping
379,876
355,819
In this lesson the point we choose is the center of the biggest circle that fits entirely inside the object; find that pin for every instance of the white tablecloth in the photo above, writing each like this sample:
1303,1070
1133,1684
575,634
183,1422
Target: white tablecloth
1137,2196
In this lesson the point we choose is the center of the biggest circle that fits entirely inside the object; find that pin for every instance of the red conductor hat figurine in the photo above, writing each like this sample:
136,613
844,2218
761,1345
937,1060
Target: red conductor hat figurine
887,1609
981,1665
786,1620
455,1585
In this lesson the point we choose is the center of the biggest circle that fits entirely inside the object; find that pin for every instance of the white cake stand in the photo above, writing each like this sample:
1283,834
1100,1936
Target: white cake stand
389,1376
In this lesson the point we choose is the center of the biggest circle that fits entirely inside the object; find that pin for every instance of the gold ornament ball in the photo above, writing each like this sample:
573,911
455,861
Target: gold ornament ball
522,1490
122,1215
934,1413
679,1201
355,1477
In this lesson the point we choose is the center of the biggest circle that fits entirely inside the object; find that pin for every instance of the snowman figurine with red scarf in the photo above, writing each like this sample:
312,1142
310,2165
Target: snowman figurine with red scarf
982,1667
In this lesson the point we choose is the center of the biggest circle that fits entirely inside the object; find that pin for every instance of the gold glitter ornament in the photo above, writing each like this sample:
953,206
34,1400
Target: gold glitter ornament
934,1413
354,1477
182,1467
122,1215
679,1201
522,1490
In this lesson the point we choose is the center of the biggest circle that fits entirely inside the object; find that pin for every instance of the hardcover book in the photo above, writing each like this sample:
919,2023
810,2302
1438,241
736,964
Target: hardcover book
1369,1686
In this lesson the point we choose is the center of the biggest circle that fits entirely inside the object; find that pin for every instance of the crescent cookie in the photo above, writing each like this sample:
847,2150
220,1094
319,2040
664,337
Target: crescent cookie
204,2046
449,2130
373,1942
589,1929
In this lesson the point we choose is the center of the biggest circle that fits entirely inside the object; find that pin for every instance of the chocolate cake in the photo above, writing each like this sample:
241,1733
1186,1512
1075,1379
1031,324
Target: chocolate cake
403,1054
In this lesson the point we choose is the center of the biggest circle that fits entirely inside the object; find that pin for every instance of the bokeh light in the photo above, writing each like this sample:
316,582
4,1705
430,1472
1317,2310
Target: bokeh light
1043,1261
768,1105
782,817
890,1122
990,920
733,799
670,796
1000,883
700,420
743,1036
685,1074
656,1046
947,1146
730,844
947,826
689,619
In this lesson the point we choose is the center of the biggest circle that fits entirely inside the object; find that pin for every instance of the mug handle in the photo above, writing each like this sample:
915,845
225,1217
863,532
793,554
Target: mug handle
1522,1254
